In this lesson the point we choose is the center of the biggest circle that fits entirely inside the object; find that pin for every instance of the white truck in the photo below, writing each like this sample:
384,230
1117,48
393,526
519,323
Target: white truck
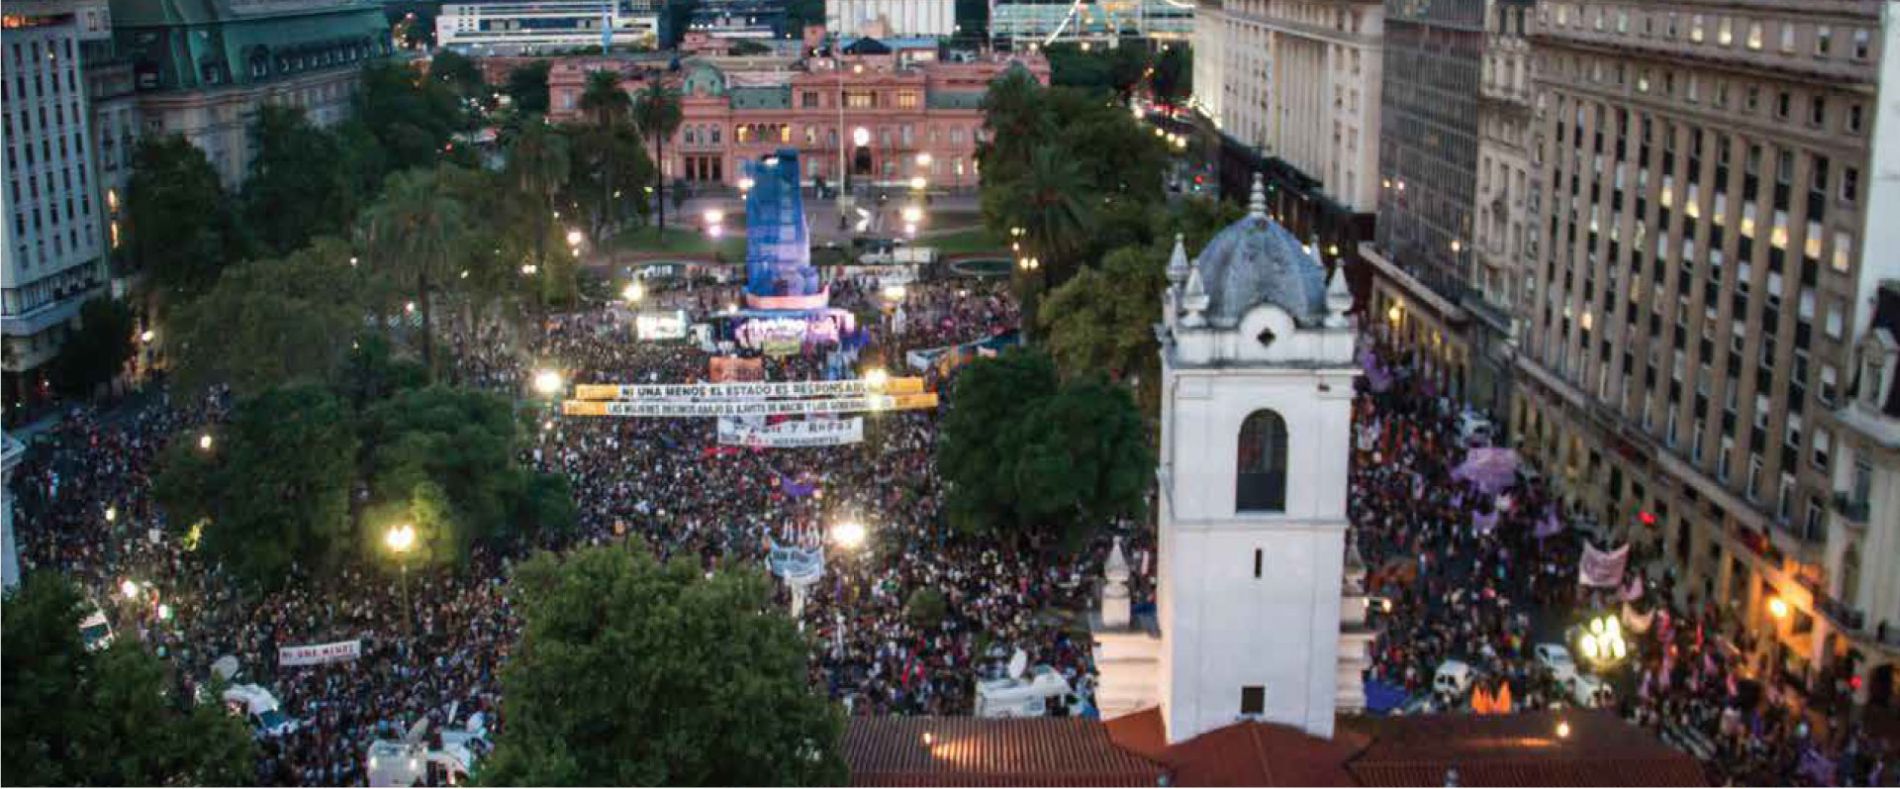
1020,697
1583,689
260,709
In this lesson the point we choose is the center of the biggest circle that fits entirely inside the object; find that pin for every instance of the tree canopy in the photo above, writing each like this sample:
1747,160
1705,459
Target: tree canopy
97,351
267,322
633,673
296,189
106,718
177,219
527,88
1022,451
273,487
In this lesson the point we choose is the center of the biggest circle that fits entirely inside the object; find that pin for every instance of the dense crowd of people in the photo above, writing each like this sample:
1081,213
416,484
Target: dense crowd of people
1458,572
1483,577
86,507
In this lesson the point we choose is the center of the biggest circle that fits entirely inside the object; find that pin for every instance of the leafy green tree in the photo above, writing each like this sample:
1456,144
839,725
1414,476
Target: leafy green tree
415,234
97,351
516,229
412,118
268,322
1023,452
528,88
463,442
295,189
657,114
1070,67
633,673
107,718
972,452
1120,156
608,162
1173,79
1081,458
273,489
459,73
177,218
1101,322
1127,66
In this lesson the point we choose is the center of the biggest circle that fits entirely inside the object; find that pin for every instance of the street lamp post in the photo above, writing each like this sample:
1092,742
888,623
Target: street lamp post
402,539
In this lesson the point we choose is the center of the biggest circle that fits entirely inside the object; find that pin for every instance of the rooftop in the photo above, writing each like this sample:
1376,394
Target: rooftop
990,752
1523,749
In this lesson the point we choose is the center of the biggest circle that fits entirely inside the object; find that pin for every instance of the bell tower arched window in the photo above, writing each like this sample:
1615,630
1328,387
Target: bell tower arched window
1260,478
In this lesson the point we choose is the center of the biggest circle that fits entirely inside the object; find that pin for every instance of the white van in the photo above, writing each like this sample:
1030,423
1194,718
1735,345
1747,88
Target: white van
259,709
1020,698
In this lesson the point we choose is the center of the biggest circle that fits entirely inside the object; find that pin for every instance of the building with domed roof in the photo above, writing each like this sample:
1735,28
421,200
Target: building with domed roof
1260,608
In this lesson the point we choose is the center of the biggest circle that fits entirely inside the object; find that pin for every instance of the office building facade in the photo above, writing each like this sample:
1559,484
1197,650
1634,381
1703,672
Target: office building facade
51,237
1709,247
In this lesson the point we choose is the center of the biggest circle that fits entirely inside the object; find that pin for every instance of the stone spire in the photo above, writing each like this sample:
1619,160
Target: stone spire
1338,298
1178,262
1257,200
1117,609
1194,301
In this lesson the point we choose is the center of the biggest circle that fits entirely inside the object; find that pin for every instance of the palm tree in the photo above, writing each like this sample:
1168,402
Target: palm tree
610,107
1055,218
604,99
538,166
414,232
1016,117
658,114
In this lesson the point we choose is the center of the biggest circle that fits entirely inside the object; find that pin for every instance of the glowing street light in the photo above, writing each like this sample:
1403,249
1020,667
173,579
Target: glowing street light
204,442
400,539
913,214
147,336
917,182
1777,608
849,535
129,588
1602,641
860,136
112,514
633,292
1563,730
547,383
894,293
923,159
574,238
876,378
746,184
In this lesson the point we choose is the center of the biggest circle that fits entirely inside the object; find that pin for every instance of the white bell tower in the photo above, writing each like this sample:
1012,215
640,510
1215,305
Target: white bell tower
1257,617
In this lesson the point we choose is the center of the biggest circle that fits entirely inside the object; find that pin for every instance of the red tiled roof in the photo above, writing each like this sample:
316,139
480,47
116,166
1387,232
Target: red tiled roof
1243,754
1523,749
990,752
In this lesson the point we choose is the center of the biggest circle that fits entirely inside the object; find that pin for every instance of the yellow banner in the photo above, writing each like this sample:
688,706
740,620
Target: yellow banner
685,408
747,390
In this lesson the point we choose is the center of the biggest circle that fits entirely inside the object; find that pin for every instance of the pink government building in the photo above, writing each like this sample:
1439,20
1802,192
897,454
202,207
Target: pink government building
887,110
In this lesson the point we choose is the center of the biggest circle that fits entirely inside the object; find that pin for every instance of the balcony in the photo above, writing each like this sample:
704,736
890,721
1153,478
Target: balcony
1852,508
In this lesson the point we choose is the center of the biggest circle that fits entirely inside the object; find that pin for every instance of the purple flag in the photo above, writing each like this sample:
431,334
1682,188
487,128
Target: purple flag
1484,523
1548,526
795,488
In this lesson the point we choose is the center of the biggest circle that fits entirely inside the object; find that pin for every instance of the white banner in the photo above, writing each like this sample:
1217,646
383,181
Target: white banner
744,390
683,408
314,654
786,435
660,325
1601,568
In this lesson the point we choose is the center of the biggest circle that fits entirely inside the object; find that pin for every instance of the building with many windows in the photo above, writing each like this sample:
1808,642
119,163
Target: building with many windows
927,18
202,69
1428,170
1714,216
1863,535
881,113
1292,86
1501,215
1029,24
546,26
52,255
